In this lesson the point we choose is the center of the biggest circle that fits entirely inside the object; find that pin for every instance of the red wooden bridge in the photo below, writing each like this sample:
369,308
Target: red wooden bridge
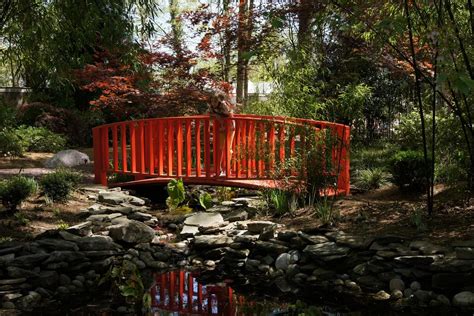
243,151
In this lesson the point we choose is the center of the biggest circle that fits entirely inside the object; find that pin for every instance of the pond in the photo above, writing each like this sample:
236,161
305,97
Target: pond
184,293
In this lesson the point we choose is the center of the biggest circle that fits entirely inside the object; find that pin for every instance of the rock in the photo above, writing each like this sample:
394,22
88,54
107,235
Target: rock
271,247
353,242
361,269
97,243
443,300
82,229
212,241
67,158
28,302
417,260
8,305
204,219
423,296
132,232
57,244
466,253
428,248
381,296
325,250
48,279
282,285
283,261
29,260
464,243
189,230
464,299
256,227
370,282
117,198
408,293
63,290
397,284
397,294
312,239
64,279
12,281
209,263
15,272
415,285
236,215
102,218
67,256
267,233
323,274
139,216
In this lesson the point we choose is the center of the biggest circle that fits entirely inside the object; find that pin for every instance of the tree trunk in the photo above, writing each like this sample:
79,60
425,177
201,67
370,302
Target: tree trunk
176,26
241,48
227,45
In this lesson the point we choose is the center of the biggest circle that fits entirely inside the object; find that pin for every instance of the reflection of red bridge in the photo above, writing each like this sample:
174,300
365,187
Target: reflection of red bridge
250,151
179,291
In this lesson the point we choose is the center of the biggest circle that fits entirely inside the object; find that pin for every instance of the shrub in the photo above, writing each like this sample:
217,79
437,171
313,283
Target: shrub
176,193
370,179
409,170
279,200
10,143
205,200
40,139
15,190
7,116
325,211
58,185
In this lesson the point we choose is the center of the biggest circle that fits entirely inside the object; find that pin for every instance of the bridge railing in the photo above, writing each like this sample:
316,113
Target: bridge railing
244,147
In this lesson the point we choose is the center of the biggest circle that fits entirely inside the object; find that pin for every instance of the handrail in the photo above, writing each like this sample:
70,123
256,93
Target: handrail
242,147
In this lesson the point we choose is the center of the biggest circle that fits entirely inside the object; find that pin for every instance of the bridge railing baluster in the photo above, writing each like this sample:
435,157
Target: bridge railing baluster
123,147
189,158
115,148
207,147
179,147
133,148
170,149
197,129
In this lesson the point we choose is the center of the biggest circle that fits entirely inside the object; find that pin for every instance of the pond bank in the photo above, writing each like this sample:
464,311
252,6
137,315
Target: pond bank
120,228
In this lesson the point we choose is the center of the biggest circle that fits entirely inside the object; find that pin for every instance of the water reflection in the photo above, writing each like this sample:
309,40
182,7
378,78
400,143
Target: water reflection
180,293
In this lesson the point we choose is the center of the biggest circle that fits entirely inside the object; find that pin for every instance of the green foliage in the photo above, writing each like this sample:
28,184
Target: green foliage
181,210
40,139
62,225
7,116
205,200
10,143
58,185
125,279
278,200
370,179
224,193
416,219
21,218
15,190
409,170
176,193
325,211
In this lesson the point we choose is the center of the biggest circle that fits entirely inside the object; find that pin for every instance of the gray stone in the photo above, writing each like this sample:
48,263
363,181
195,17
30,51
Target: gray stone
428,248
132,232
443,300
353,242
415,286
267,233
102,218
408,293
82,229
463,243
397,284
271,247
236,215
57,244
466,253
423,296
212,241
312,239
117,198
28,302
370,282
12,281
464,299
397,294
15,272
140,216
204,219
67,256
256,227
64,279
64,290
328,249
417,260
8,305
361,269
67,158
77,283
283,261
29,260
48,279
381,296
97,243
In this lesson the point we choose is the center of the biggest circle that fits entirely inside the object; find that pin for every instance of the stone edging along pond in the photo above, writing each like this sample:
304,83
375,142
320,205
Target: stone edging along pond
60,264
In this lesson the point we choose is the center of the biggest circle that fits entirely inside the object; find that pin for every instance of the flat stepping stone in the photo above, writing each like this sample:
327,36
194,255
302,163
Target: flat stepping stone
204,219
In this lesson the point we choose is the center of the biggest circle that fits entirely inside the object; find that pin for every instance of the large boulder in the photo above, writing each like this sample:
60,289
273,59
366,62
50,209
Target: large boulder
131,231
67,158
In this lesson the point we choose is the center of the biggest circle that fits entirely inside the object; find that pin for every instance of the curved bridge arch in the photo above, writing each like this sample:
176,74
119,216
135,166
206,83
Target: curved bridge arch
249,151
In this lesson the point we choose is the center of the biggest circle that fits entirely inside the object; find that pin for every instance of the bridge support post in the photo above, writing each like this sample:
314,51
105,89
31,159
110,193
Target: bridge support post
100,168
